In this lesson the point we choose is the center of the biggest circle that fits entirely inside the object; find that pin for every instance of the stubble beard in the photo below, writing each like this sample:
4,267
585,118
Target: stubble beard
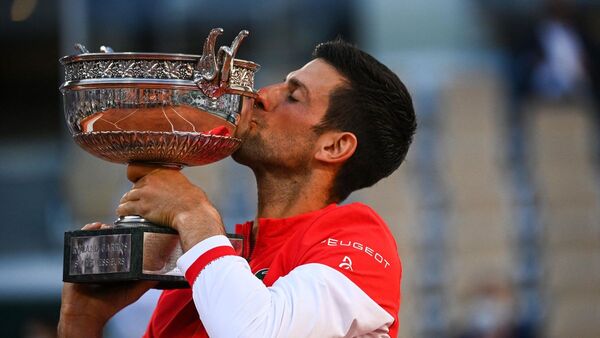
250,151
273,156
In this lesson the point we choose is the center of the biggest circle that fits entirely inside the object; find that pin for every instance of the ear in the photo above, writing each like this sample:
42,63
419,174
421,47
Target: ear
336,147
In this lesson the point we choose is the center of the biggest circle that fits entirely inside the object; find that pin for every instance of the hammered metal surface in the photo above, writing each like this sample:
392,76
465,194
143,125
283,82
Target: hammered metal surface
171,148
81,104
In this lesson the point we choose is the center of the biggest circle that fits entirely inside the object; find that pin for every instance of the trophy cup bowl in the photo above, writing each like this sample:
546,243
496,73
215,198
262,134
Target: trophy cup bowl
160,109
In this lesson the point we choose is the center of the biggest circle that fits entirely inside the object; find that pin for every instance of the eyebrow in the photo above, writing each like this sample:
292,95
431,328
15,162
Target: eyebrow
294,82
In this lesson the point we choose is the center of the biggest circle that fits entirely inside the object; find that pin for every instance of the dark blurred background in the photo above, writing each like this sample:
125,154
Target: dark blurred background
495,211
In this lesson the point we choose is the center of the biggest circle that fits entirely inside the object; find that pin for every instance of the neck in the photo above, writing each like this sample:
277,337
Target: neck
286,196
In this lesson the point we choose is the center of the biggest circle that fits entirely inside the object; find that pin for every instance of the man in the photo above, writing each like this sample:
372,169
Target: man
314,268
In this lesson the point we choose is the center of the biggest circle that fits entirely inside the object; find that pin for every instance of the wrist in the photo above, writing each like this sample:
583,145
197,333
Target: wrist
194,227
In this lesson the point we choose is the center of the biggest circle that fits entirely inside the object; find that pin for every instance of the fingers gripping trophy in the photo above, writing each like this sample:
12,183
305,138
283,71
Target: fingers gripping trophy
171,110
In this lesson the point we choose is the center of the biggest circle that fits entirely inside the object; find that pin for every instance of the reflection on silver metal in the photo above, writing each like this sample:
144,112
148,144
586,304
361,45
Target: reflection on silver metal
133,220
161,252
100,254
106,49
148,109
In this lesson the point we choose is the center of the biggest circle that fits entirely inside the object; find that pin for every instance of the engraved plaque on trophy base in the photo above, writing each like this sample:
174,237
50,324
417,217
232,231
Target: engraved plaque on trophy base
132,253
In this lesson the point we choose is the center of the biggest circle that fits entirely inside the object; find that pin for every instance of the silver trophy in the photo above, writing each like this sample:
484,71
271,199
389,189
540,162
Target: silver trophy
170,110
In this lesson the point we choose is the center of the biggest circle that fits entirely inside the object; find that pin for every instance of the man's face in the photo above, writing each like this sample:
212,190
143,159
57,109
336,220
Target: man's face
277,133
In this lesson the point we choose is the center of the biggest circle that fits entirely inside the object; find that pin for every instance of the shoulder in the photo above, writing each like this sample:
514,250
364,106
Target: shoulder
355,208
355,241
354,230
355,219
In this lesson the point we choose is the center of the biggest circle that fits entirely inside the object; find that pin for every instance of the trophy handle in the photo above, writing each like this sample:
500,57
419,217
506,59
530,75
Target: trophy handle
207,65
81,48
229,55
106,49
211,80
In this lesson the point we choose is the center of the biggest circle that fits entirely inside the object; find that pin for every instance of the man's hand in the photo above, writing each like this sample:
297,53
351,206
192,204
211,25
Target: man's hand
165,196
86,308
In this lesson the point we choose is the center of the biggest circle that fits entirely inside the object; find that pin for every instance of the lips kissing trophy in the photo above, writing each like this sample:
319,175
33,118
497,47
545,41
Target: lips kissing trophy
160,109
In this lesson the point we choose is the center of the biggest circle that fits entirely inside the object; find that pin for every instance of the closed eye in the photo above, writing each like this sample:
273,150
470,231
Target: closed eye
294,85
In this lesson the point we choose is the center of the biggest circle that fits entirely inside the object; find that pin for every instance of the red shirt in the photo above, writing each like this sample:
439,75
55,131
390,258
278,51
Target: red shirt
351,239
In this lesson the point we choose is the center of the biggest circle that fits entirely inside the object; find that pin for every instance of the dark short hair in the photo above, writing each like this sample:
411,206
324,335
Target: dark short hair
376,107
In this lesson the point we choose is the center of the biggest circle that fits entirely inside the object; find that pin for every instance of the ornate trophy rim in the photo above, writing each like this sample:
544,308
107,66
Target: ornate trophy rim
146,56
93,71
214,72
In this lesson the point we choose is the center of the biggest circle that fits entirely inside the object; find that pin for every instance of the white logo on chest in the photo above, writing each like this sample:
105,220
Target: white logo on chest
346,263
332,242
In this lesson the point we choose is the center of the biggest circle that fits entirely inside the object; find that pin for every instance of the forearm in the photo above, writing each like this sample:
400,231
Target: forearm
85,309
75,326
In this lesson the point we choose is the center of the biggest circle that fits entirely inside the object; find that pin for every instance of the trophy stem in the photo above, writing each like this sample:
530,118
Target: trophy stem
131,221
159,164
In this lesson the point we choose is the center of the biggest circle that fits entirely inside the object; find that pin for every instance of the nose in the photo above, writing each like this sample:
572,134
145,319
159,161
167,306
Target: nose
267,99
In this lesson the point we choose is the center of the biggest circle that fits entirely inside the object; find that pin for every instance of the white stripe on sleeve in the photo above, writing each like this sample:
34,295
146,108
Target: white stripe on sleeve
189,257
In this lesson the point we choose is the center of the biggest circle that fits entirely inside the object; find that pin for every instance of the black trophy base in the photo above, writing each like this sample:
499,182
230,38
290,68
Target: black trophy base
131,253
